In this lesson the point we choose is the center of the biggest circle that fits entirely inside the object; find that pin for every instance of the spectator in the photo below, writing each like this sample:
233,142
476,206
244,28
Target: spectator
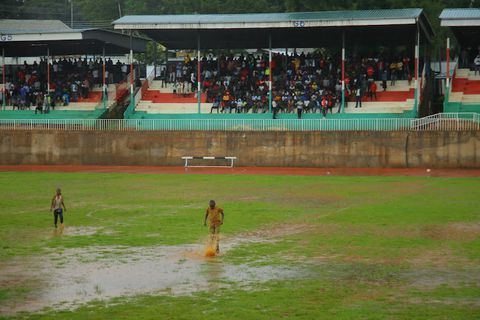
373,91
384,79
476,62
358,98
324,104
74,91
299,108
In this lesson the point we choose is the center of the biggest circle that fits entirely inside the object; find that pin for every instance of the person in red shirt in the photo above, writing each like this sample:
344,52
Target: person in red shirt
324,105
370,71
373,90
330,103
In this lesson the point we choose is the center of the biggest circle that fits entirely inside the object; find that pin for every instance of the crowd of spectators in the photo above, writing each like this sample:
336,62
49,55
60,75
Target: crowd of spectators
70,80
301,82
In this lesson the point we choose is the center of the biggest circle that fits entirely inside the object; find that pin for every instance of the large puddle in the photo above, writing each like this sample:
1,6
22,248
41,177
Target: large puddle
71,277
76,276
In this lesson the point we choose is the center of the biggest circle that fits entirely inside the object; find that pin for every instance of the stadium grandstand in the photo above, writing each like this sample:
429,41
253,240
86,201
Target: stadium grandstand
352,66
463,91
69,75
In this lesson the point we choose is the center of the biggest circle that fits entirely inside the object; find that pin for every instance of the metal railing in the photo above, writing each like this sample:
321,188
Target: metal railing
209,124
448,122
440,122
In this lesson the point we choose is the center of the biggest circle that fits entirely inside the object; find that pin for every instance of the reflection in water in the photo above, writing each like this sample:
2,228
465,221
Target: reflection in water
213,270
59,231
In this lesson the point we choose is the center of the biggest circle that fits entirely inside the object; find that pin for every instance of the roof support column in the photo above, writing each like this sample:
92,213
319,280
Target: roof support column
104,87
270,72
167,70
426,64
4,99
154,60
48,70
199,75
343,72
447,83
132,102
417,62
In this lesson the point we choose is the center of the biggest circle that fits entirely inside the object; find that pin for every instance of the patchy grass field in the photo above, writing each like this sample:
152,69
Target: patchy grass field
293,247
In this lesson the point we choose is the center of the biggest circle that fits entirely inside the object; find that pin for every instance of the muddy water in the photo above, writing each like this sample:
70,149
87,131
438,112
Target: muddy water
76,276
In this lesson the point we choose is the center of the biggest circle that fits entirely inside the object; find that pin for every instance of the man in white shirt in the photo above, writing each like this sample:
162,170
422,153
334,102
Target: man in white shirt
358,98
299,108
95,76
476,61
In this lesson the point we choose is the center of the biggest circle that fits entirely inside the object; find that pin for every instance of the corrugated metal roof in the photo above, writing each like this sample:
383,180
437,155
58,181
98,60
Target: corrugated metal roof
272,17
460,13
12,26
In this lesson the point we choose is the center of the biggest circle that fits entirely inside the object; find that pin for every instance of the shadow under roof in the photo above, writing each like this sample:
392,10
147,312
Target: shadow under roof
23,38
293,29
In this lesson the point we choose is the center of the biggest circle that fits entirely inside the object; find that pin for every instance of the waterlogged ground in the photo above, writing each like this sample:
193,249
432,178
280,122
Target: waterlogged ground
75,276
292,247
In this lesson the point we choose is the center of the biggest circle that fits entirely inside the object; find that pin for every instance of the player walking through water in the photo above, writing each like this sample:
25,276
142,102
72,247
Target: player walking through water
56,206
215,218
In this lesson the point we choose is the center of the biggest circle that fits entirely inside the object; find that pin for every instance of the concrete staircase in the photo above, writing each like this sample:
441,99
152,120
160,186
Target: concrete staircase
396,99
465,87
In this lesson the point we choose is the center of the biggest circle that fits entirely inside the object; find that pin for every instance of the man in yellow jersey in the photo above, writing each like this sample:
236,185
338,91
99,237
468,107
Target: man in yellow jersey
215,218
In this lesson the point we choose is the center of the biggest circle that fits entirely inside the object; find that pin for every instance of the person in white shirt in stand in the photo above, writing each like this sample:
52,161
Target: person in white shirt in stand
476,61
358,98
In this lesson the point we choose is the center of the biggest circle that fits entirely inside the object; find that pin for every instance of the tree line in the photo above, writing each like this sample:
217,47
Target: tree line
100,13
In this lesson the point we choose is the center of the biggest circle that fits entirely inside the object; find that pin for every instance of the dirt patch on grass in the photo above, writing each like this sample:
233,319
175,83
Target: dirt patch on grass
439,232
438,258
466,302
274,231
452,231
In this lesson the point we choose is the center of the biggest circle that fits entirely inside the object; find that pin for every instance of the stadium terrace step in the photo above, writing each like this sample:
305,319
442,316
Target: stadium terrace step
53,114
465,87
462,73
474,77
78,106
168,87
393,96
156,97
466,74
71,107
93,96
456,96
400,85
381,107
172,108
470,98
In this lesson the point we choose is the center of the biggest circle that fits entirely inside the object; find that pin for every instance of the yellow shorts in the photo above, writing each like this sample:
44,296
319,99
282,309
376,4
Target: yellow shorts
214,229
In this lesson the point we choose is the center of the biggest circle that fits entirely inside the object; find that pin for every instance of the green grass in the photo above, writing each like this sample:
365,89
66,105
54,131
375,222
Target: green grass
369,247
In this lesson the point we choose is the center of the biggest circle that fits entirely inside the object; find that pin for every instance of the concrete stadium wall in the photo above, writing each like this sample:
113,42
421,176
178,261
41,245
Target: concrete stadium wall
295,149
